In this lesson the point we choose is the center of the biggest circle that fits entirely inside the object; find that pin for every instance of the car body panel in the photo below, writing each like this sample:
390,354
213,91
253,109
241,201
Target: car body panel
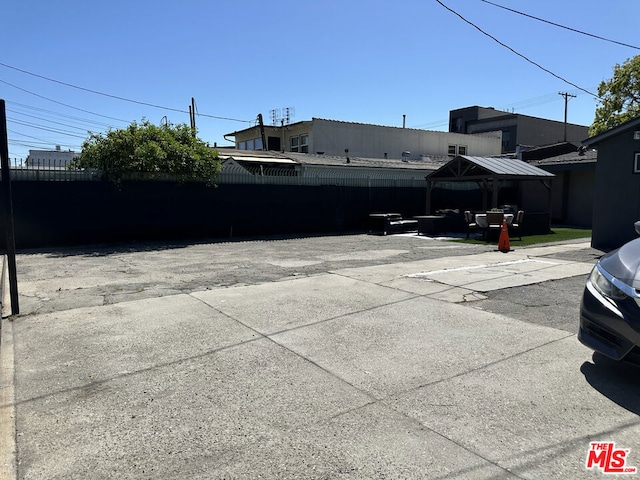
610,319
624,263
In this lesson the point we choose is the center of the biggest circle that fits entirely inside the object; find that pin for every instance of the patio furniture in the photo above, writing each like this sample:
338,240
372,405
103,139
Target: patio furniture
470,220
430,224
494,222
517,223
481,219
384,223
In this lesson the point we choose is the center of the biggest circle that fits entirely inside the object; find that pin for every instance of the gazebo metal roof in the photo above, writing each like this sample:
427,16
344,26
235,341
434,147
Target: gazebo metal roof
468,168
489,173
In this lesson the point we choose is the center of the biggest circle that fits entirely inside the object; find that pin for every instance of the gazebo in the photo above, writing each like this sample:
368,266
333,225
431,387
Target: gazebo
490,174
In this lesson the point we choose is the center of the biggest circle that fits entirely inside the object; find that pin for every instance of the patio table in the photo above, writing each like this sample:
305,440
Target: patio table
481,219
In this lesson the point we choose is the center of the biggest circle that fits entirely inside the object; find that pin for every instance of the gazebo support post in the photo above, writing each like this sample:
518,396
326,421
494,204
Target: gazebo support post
547,185
485,189
495,184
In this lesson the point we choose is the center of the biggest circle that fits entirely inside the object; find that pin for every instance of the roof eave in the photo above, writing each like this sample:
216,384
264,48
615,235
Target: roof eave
612,132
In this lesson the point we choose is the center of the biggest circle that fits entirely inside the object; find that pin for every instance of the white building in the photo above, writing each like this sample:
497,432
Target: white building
337,138
50,158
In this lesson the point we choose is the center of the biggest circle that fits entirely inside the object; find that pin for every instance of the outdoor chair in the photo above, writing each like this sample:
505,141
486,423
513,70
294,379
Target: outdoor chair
469,219
494,221
517,223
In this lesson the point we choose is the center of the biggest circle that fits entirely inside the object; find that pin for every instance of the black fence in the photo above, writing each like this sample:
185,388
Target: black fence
85,212
54,205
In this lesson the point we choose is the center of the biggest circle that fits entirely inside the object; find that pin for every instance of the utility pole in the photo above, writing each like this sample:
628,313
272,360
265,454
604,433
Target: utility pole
192,116
262,135
566,96
7,210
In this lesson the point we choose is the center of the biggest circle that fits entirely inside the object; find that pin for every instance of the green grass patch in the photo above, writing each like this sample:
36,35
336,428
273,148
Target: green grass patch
558,234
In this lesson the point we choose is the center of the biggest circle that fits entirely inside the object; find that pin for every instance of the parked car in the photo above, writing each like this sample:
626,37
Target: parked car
610,307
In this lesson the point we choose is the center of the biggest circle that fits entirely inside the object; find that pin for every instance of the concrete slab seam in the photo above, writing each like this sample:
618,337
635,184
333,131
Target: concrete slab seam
319,322
348,314
8,445
470,296
384,402
127,374
450,440
480,367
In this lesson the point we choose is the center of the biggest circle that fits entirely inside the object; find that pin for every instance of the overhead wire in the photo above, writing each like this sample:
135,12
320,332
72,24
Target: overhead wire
516,52
42,127
96,92
438,123
38,141
520,105
60,103
47,120
83,120
561,26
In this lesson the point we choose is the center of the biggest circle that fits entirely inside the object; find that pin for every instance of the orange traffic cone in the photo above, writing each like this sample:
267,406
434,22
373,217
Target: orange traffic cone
503,242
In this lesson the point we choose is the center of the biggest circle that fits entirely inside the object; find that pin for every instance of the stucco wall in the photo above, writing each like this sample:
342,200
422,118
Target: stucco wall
374,141
616,192
579,198
539,131
572,197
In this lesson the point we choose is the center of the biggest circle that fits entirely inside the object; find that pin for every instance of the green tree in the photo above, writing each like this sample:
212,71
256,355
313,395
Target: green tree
619,97
150,149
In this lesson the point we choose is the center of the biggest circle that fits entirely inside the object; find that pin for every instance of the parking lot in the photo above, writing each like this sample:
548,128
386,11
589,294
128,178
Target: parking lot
351,356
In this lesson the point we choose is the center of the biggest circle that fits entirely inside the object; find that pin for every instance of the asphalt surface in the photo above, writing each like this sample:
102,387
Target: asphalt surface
351,356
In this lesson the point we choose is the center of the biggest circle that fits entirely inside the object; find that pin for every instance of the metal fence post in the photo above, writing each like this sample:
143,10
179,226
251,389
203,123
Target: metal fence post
8,210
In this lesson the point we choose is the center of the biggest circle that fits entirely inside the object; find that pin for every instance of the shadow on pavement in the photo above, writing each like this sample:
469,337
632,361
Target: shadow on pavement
618,381
105,249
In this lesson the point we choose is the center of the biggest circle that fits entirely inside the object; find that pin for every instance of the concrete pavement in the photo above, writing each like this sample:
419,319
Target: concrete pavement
366,362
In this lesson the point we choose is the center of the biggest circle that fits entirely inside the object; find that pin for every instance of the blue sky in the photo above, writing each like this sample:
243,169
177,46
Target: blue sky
369,62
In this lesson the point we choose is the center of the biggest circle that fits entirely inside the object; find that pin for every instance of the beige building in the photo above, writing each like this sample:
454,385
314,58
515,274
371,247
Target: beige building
337,138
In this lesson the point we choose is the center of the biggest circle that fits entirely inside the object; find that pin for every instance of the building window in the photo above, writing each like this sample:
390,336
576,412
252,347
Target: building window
250,144
636,163
242,145
462,149
506,140
452,150
293,142
257,144
304,143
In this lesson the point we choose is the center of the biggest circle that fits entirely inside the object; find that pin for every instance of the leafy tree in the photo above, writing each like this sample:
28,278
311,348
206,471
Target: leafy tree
150,149
619,97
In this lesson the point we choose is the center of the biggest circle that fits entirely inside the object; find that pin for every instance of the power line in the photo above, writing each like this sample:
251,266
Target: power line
561,26
47,120
40,144
58,114
517,53
60,103
42,127
118,97
38,140
518,105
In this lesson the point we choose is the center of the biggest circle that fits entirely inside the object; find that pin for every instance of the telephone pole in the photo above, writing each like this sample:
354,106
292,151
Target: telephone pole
6,207
192,116
566,96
